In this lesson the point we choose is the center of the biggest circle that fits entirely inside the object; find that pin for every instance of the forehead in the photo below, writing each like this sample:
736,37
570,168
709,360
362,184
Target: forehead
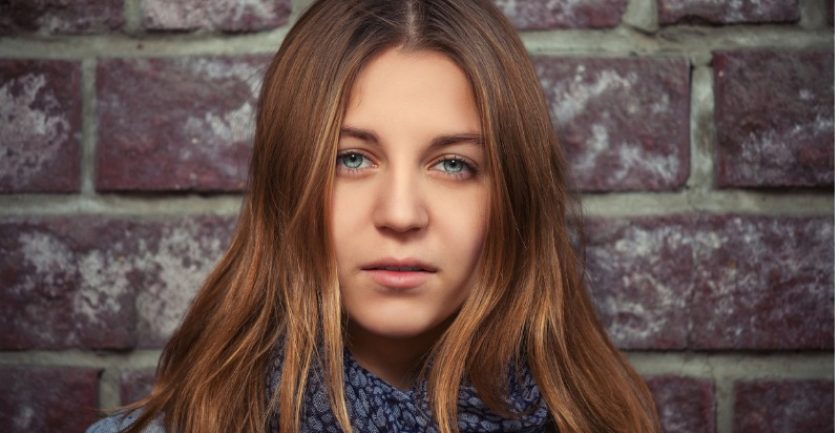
419,90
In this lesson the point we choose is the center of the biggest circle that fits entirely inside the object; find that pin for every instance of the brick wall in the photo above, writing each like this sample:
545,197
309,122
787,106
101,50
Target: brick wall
700,133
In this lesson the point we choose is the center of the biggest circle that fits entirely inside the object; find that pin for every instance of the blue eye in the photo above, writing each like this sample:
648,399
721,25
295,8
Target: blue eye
351,160
453,165
456,167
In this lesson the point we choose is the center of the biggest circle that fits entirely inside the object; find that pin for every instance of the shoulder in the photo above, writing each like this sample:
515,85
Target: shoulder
118,422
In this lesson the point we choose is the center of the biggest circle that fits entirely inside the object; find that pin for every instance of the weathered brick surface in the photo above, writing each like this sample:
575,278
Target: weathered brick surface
135,384
714,281
784,406
624,123
541,14
727,12
224,15
48,400
684,404
774,112
94,282
176,124
60,16
40,125
641,279
764,283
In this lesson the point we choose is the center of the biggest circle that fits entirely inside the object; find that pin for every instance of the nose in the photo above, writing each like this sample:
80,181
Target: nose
401,206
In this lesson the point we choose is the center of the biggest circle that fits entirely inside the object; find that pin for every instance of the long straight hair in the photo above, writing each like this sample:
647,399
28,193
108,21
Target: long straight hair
278,280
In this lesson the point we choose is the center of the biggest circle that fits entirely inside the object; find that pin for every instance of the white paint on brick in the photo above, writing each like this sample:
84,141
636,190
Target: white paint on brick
597,143
29,136
182,261
766,153
806,94
233,126
522,13
23,418
729,10
53,262
103,285
636,320
198,13
571,100
224,70
663,105
659,167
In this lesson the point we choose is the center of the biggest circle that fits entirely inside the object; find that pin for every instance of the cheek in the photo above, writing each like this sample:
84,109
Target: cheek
348,218
464,222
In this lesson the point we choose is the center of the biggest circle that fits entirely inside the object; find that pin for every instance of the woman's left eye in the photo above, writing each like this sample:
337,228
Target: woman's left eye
456,167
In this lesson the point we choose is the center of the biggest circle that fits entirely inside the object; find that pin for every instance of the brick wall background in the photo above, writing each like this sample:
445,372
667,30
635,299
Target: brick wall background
701,133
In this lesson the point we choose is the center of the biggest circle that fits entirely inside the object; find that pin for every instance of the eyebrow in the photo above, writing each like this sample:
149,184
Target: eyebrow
439,141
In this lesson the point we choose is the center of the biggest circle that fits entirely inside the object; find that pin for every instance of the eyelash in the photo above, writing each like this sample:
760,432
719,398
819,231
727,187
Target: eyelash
469,169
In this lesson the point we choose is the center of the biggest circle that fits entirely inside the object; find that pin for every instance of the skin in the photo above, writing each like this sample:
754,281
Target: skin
396,195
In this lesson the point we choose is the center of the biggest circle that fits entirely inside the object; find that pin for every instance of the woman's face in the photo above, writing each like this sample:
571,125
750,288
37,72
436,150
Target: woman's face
411,194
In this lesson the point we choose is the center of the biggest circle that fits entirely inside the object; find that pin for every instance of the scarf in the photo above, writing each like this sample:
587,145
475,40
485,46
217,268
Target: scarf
376,406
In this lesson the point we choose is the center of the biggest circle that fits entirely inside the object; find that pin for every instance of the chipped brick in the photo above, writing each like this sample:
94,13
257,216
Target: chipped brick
40,125
176,124
713,281
60,16
784,406
764,283
94,282
684,404
45,399
774,113
727,12
135,384
224,15
540,14
623,123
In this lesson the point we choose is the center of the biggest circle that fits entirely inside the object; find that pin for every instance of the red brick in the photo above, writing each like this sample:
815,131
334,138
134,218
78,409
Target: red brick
774,113
60,16
727,12
94,282
784,406
40,125
764,283
135,385
624,123
185,254
684,404
44,399
640,274
540,14
224,15
713,281
176,123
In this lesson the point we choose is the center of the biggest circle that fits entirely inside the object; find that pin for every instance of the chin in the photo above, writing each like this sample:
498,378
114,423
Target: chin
397,328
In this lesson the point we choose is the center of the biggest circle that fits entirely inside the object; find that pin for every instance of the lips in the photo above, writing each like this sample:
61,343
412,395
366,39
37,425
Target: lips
400,273
400,265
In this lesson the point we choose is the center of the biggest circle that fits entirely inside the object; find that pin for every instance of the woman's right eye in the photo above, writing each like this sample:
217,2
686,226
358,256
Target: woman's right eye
352,161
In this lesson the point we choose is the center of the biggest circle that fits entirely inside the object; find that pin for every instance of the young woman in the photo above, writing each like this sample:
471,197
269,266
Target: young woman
403,260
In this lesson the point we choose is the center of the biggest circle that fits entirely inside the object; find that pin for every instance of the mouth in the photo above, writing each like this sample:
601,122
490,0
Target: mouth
400,274
399,279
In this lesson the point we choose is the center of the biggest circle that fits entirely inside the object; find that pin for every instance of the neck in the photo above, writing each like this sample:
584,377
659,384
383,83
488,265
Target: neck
396,360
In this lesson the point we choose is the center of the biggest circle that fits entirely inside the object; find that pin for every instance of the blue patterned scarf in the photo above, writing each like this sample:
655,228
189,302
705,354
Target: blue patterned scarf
376,406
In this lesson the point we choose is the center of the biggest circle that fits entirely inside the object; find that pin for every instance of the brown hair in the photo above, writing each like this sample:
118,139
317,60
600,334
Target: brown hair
278,281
